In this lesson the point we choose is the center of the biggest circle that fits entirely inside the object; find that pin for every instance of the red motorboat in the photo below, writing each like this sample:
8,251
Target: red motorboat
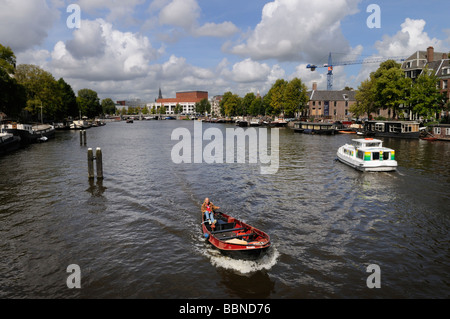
235,238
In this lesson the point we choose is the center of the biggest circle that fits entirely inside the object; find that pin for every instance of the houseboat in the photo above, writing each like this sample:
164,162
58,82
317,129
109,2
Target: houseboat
31,133
398,129
279,122
368,155
441,132
255,122
80,125
315,128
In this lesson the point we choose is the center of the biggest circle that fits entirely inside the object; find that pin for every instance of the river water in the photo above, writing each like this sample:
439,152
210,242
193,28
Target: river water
137,234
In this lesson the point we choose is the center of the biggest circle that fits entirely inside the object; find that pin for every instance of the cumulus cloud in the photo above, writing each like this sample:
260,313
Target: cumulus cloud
88,41
298,30
249,71
25,24
185,14
99,52
408,40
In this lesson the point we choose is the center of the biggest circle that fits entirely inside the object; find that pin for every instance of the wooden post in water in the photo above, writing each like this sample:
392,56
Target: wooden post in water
83,140
99,159
90,156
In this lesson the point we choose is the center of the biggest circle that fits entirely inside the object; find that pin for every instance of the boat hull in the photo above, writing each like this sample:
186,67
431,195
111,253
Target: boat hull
9,144
363,166
234,238
27,137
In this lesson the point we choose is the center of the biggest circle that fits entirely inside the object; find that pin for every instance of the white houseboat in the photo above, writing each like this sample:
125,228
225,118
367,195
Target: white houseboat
368,155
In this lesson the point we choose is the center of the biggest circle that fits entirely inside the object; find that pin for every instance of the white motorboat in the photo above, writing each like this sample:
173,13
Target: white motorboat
368,155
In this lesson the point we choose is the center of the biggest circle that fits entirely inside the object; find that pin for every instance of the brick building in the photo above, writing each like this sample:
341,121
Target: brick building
332,105
186,100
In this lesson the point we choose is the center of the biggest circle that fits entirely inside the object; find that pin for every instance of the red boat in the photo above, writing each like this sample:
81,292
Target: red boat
235,238
429,138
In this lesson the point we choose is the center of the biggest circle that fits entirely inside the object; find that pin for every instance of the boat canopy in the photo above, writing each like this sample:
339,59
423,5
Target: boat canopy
368,143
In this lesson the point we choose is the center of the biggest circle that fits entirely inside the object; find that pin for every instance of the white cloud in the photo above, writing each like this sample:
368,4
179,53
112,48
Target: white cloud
221,30
249,71
185,14
25,24
88,41
409,39
298,30
180,13
99,52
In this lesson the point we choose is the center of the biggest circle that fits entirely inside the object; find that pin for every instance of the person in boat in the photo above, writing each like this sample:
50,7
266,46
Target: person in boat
208,209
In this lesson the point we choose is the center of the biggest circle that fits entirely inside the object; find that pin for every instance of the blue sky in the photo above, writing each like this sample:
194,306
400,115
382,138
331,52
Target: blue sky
128,49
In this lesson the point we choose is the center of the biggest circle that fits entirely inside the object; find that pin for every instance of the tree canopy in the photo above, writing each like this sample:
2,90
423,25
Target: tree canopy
388,88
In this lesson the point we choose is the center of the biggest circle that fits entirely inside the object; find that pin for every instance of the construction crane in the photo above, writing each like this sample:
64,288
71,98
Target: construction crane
331,65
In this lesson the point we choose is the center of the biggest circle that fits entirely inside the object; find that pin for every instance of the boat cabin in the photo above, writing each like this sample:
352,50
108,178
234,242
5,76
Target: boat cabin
22,127
372,150
401,129
315,127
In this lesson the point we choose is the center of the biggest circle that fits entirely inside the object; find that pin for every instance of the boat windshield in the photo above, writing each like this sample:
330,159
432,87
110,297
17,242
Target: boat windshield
367,143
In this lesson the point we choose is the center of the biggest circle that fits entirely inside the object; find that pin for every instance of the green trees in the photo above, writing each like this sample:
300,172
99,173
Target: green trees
42,91
12,93
296,97
203,106
109,107
89,103
230,104
388,88
284,98
425,99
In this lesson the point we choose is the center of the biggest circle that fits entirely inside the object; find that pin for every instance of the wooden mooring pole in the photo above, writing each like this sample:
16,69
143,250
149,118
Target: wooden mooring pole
90,156
83,140
98,158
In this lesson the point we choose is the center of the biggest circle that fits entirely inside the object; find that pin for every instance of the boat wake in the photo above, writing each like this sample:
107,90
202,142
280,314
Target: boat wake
266,262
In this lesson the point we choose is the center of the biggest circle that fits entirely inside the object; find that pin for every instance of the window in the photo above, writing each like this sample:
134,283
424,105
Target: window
447,131
444,84
360,155
437,130
375,156
379,127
